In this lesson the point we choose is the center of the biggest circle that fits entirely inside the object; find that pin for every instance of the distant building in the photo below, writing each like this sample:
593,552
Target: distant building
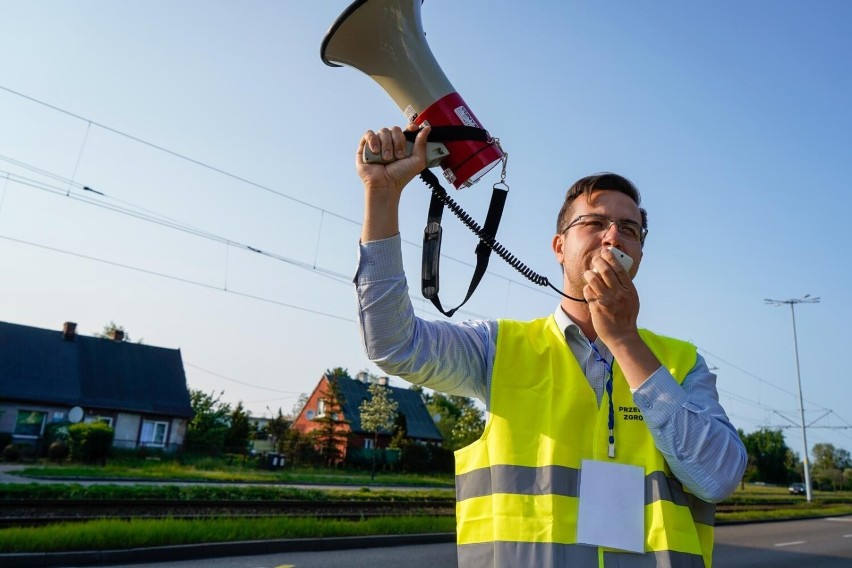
418,423
60,377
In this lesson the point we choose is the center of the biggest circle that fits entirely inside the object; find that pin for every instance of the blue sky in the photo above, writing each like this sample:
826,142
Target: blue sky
221,120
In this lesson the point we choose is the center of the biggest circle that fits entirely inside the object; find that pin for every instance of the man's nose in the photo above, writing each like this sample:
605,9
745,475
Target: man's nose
611,236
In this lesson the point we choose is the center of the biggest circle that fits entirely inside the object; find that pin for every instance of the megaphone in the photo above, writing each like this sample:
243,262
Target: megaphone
385,40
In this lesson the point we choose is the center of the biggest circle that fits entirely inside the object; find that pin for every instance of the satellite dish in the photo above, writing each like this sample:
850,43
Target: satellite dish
75,414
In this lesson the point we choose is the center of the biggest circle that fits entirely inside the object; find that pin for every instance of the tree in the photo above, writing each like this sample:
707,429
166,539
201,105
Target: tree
298,406
277,429
239,430
209,426
378,413
770,460
469,426
114,332
829,464
459,420
847,477
826,456
330,435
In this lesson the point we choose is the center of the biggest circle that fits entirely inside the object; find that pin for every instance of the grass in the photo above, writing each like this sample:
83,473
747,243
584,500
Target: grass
219,472
748,504
784,514
754,503
59,491
112,535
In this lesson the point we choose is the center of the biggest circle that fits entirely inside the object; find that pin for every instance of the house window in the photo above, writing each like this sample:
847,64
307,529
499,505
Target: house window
30,423
310,414
368,444
94,419
320,408
153,433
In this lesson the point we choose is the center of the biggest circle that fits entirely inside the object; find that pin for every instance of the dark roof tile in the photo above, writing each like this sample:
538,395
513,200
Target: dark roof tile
39,365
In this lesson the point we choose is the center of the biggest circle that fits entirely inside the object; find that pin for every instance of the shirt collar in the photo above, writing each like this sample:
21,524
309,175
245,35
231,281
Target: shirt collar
567,325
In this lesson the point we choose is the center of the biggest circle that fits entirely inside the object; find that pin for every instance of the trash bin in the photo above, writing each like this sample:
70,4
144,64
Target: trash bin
274,461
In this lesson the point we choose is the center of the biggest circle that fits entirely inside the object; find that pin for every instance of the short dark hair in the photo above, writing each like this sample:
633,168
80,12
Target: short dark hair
602,181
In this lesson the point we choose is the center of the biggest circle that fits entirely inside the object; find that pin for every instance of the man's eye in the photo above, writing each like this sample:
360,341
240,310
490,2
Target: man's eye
596,223
630,230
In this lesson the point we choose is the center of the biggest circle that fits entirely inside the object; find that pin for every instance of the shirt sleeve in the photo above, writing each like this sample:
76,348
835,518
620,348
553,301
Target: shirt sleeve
692,431
449,357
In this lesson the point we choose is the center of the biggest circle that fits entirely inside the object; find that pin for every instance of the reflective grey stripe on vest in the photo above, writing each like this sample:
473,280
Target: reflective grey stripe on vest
659,487
549,555
524,480
565,481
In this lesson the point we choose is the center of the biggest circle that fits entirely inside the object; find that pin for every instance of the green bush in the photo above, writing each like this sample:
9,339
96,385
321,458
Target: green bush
11,453
5,440
90,443
58,452
56,432
416,458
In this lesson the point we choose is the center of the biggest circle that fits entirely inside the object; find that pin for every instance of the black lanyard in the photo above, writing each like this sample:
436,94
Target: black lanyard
611,421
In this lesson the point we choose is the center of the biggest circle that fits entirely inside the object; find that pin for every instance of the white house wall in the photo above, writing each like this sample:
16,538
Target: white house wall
126,430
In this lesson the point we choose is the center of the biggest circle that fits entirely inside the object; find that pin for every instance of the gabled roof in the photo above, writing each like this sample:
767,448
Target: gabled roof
418,422
41,366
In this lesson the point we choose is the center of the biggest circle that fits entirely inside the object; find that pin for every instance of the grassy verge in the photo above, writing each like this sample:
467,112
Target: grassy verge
215,473
782,514
112,535
59,491
747,504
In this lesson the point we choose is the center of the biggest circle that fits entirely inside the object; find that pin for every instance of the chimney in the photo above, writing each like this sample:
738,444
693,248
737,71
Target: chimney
117,335
69,330
383,381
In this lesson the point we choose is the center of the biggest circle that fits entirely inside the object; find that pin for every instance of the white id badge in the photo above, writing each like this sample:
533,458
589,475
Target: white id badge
612,506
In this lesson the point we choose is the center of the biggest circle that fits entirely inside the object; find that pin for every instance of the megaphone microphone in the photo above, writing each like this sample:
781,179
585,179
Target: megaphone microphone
385,40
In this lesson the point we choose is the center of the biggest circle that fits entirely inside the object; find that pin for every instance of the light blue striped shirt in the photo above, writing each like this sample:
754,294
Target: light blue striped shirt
687,422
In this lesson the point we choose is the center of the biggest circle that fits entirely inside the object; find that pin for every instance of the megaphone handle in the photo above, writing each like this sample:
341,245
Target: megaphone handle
435,152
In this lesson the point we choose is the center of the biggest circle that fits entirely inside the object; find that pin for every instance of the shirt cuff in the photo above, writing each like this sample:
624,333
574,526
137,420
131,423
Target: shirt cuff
379,260
659,397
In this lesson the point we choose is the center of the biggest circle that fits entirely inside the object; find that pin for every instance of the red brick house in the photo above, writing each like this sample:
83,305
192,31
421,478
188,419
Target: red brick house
419,425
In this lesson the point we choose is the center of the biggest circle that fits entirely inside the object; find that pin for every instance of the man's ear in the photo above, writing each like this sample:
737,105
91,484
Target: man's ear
556,245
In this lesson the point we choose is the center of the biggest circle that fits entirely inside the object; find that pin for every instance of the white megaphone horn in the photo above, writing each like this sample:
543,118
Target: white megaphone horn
385,40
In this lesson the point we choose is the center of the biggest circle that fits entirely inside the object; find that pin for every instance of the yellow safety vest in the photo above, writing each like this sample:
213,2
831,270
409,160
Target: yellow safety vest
517,487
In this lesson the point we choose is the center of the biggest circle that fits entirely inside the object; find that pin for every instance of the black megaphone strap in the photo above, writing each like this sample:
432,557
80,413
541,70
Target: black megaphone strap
432,239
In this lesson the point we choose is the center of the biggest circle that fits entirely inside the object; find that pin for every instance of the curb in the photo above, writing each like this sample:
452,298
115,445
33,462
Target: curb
214,550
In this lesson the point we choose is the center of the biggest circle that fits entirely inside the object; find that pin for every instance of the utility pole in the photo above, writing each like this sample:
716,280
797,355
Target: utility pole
806,299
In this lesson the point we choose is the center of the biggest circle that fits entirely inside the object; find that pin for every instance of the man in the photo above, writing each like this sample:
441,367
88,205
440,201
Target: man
581,390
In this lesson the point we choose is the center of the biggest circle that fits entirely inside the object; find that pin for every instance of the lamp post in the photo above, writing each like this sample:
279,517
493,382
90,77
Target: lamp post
806,299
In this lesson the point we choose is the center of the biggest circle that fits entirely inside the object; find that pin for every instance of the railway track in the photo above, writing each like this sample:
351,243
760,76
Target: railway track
40,512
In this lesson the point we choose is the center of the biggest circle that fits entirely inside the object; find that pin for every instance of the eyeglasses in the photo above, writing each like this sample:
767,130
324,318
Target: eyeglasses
599,224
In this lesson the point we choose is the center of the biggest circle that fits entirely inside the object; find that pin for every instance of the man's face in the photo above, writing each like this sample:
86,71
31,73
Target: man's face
575,248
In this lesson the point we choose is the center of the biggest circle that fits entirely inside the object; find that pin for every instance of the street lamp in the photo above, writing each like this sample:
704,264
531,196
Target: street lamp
806,299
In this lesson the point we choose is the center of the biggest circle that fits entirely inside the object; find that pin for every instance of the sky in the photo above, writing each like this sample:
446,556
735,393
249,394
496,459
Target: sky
223,211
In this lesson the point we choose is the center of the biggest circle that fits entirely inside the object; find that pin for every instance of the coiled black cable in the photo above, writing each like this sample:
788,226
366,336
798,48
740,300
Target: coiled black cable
489,240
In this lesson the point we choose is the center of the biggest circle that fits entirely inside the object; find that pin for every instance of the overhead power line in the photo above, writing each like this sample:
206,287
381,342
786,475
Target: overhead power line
153,217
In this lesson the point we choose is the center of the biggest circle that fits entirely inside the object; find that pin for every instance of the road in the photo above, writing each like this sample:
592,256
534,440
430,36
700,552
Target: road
815,543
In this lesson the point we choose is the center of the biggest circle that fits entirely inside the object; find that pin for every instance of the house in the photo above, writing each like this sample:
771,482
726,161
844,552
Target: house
420,428
60,377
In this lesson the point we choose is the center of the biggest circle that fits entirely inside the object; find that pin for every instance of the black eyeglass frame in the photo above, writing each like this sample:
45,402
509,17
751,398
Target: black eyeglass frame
619,225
